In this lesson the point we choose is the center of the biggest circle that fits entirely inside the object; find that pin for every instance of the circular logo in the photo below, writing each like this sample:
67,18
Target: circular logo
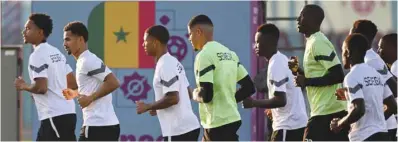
177,47
135,87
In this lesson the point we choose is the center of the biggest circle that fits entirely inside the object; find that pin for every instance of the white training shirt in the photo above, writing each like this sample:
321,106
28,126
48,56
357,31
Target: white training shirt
170,76
394,69
375,61
48,62
280,78
365,82
90,74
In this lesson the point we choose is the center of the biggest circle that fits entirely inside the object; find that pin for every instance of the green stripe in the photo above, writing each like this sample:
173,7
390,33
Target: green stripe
96,30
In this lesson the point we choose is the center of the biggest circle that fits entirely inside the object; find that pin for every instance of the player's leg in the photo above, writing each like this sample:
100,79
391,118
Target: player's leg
314,130
103,133
65,126
82,136
226,132
46,132
189,136
393,134
295,135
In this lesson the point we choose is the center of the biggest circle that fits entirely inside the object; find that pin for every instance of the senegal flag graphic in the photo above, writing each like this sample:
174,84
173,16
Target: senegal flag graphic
116,31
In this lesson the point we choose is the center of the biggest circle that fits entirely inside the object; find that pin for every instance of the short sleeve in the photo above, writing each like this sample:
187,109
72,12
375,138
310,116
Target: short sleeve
169,78
325,54
96,69
354,89
278,79
38,67
387,92
380,67
394,69
204,68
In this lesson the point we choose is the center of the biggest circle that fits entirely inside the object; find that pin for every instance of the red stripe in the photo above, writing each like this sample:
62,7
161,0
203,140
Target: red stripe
146,20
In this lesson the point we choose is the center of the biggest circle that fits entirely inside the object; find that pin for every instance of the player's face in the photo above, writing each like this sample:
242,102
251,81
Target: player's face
71,42
302,21
194,33
149,45
382,50
31,33
346,62
259,47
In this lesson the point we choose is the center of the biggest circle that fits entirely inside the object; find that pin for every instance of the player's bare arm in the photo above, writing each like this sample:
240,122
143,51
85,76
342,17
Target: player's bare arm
203,94
278,101
170,99
358,111
392,84
334,75
110,84
391,106
190,92
246,90
39,87
71,81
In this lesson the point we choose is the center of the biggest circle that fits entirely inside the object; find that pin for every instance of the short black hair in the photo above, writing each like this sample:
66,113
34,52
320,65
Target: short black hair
200,19
390,38
43,21
357,44
366,28
160,33
77,28
316,11
269,29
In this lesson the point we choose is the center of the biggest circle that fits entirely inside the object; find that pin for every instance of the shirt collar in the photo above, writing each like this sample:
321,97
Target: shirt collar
85,53
40,45
273,56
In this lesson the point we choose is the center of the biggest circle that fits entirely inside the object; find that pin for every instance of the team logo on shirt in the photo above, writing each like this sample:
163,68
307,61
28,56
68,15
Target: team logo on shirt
135,87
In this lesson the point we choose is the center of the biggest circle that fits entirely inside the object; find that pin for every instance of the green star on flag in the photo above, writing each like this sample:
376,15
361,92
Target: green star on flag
121,35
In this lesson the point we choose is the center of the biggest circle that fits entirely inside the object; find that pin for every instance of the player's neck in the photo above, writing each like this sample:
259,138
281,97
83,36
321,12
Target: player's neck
38,43
311,32
356,63
77,55
272,53
160,54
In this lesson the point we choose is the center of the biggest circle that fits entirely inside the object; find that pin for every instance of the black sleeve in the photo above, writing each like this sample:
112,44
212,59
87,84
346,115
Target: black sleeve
246,90
334,75
392,84
207,92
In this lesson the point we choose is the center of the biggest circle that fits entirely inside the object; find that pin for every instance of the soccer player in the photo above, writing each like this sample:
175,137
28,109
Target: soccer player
323,74
173,105
366,94
49,74
95,83
388,52
217,70
286,100
369,30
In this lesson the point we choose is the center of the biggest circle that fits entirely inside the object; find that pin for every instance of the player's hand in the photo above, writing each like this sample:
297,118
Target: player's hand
196,94
299,80
268,112
247,103
20,84
84,100
141,107
70,94
152,112
293,64
334,125
340,94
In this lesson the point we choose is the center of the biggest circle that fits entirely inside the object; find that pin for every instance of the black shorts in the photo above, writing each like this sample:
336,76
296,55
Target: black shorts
392,133
318,128
380,136
59,128
226,132
288,135
190,136
100,133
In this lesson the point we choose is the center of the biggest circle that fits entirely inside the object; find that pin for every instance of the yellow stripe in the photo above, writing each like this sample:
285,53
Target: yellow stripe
121,54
